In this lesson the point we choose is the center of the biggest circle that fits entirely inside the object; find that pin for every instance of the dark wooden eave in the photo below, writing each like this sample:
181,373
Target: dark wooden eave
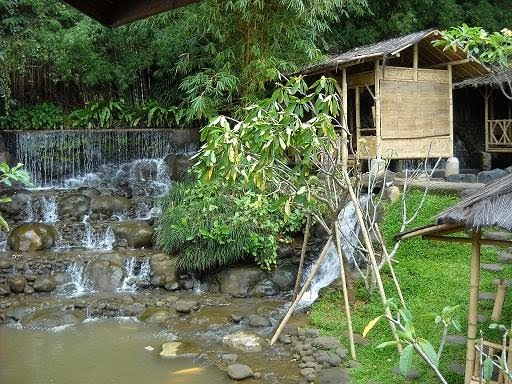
113,13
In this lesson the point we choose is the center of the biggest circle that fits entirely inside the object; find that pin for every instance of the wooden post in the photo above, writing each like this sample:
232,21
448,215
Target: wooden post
450,108
474,287
486,117
344,101
378,136
302,257
415,61
358,123
497,310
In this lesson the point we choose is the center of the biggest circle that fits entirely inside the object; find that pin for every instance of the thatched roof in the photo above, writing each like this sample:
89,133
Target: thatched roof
492,79
430,55
490,206
113,13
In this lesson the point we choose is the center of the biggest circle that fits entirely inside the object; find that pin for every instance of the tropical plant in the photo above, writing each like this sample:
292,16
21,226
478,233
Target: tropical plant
209,226
9,175
38,116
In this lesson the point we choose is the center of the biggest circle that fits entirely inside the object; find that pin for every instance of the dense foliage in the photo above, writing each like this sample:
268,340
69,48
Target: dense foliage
391,18
202,58
209,226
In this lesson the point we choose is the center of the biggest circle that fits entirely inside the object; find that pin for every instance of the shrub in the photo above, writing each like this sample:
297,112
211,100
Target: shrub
209,226
38,116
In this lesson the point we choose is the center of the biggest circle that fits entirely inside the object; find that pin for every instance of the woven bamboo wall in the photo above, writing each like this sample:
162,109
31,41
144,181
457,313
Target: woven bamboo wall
413,148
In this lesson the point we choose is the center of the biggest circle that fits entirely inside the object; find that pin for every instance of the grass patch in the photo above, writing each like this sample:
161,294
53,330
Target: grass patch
432,275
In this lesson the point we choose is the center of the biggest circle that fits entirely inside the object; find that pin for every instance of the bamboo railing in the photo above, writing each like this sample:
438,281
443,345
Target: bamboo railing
499,135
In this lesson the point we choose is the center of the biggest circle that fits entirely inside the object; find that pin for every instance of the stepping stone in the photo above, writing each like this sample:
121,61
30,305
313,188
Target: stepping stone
506,281
457,368
482,318
487,296
456,339
498,235
492,267
505,258
411,375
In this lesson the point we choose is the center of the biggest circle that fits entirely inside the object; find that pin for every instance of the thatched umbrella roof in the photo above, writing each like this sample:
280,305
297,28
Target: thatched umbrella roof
489,206
493,79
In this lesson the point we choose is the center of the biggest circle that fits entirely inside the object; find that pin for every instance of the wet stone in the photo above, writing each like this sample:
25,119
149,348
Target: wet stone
17,283
239,371
411,375
6,264
326,342
307,371
259,321
492,267
332,376
229,357
312,332
456,339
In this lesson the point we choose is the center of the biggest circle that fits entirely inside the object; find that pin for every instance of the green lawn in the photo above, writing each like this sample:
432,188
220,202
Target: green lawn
432,275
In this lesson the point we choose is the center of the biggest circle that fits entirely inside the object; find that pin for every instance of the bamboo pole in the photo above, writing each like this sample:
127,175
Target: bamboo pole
474,287
450,109
302,256
358,122
497,310
345,292
315,269
371,256
378,133
415,61
486,114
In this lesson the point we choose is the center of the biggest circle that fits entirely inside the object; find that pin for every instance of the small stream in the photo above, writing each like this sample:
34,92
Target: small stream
106,351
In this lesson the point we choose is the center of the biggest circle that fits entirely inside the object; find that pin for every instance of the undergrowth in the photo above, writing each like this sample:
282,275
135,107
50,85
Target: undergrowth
432,275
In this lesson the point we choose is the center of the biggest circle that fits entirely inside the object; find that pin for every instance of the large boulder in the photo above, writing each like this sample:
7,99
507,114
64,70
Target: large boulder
240,281
44,283
284,276
20,206
75,205
178,165
32,237
239,371
51,318
163,268
89,191
103,275
487,177
136,234
109,205
17,283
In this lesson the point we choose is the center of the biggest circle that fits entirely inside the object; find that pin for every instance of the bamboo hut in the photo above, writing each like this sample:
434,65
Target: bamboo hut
113,13
497,116
487,207
398,94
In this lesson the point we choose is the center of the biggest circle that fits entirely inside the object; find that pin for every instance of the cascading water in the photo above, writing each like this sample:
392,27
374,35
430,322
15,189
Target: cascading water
330,268
96,238
77,282
135,274
51,157
49,209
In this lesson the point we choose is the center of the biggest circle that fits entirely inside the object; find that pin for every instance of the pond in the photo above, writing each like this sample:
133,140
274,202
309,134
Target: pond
106,351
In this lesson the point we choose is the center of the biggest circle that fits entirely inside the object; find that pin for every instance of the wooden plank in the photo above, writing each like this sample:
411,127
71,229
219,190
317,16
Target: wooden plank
361,79
409,148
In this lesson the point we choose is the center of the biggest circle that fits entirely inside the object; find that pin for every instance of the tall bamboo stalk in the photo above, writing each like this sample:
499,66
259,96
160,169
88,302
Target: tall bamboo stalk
302,256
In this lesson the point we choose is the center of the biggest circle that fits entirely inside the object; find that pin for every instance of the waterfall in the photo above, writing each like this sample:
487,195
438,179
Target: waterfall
135,273
330,268
75,283
49,209
52,157
97,239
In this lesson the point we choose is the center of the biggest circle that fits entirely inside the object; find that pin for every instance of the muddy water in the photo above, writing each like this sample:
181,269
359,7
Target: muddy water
100,351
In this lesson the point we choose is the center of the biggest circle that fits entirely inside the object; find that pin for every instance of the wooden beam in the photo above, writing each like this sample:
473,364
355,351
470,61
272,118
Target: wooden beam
454,62
502,243
439,228
344,101
358,116
474,288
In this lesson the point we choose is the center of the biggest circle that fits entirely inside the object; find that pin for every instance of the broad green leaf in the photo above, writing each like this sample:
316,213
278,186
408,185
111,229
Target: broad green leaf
406,360
488,369
429,351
